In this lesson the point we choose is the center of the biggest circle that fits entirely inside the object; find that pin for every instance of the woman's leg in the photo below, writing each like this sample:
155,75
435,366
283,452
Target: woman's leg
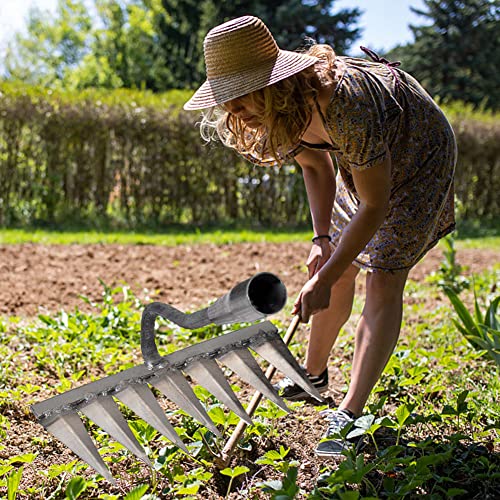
325,326
376,335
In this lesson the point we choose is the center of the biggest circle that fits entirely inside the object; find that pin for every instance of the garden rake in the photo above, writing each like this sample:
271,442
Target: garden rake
249,301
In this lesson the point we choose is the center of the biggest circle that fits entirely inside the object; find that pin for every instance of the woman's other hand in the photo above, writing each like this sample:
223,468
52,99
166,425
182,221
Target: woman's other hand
314,296
318,256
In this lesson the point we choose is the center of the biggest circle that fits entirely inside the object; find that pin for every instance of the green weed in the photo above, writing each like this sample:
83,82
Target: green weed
482,328
432,423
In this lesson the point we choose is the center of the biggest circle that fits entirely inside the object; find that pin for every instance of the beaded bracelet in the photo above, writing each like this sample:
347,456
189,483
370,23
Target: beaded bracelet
316,238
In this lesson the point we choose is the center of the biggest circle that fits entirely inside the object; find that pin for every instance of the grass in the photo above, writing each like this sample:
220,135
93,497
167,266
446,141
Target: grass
471,234
184,236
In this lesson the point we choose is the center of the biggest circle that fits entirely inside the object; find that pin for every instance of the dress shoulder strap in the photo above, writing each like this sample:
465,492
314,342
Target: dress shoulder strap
382,60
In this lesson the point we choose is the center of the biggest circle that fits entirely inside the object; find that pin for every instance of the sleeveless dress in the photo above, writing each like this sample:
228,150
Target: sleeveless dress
374,104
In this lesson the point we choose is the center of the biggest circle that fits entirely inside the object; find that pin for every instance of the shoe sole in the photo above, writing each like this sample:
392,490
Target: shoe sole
329,455
359,447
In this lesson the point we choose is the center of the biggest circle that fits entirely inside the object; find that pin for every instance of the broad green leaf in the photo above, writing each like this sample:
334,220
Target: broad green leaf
75,487
137,493
455,492
273,455
462,397
189,489
273,484
13,481
349,495
4,469
402,414
357,431
365,421
217,415
27,458
237,471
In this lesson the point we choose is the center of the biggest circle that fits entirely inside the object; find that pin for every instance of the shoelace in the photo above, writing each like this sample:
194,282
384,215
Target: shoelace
287,382
337,420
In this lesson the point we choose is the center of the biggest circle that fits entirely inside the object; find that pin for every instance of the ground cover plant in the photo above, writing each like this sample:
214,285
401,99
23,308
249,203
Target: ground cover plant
431,427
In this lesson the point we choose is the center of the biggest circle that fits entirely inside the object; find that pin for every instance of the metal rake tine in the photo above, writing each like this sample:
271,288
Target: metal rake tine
176,388
69,429
246,367
276,353
209,375
231,443
106,414
141,400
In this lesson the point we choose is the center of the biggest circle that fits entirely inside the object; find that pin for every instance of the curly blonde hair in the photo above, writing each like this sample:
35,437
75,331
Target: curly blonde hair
285,110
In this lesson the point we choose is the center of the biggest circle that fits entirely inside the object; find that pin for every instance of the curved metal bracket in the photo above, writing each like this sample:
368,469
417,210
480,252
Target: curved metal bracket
250,300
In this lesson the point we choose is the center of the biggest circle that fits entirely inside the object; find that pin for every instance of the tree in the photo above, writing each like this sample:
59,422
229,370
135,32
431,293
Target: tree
52,47
456,54
293,20
124,51
157,44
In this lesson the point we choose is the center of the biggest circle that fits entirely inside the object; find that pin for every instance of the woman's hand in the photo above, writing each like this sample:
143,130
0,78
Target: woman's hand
314,296
318,256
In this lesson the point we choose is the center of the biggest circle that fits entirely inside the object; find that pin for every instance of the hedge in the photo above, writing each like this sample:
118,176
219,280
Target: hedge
138,158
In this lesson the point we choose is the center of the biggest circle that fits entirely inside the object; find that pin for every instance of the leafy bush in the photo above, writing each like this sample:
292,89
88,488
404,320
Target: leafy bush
136,157
477,181
132,156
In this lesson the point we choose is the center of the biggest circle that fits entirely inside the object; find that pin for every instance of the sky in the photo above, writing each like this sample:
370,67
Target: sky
384,22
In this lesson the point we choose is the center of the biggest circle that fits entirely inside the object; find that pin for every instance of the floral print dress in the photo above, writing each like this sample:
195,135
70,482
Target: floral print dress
375,104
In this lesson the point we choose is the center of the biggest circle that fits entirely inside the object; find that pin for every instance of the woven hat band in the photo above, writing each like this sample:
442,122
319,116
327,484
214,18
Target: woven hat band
239,46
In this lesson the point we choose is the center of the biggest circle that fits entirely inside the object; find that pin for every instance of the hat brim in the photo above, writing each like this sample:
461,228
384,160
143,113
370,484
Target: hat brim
220,90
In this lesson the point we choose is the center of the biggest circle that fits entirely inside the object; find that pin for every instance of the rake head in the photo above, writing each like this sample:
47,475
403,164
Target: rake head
250,300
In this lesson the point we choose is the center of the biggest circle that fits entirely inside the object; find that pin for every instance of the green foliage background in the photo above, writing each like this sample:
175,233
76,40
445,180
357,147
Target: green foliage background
135,157
78,146
154,44
456,51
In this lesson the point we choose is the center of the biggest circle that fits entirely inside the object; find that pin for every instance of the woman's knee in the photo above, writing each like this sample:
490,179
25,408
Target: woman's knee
385,286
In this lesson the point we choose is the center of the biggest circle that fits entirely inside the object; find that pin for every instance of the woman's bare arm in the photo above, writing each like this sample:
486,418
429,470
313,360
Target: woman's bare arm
319,179
373,186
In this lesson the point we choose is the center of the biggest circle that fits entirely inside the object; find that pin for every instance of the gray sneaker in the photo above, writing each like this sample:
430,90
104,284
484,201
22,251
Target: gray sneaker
333,444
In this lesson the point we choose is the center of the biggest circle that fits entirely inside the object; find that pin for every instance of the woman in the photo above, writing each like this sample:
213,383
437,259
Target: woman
392,198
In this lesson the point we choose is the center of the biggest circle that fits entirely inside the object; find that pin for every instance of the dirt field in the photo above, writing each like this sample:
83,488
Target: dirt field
40,278
46,278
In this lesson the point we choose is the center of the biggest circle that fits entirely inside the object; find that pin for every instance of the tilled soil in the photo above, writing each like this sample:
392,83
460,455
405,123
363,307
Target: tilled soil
46,278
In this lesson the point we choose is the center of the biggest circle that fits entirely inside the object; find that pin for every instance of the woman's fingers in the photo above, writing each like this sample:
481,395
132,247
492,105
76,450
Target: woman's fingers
304,313
297,306
313,297
300,309
312,265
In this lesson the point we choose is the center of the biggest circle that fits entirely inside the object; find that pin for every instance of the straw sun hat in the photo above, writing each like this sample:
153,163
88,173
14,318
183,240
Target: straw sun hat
241,56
